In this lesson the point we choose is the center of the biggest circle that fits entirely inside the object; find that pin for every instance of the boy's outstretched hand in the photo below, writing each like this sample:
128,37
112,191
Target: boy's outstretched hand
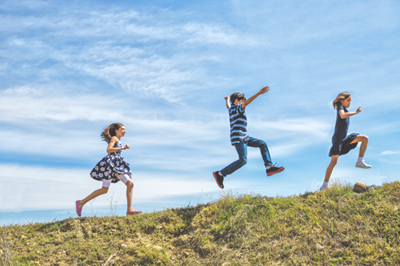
264,90
248,101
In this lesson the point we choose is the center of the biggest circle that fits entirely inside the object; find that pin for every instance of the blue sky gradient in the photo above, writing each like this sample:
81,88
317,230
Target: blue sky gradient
69,69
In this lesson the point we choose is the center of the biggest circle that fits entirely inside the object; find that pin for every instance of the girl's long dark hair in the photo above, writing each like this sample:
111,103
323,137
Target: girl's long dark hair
109,132
341,96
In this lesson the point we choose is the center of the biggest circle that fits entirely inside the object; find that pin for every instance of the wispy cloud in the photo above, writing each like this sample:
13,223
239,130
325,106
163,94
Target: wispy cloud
27,104
121,48
390,152
22,188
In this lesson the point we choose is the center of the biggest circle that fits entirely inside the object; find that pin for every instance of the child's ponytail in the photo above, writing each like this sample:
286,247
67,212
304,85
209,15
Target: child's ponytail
109,132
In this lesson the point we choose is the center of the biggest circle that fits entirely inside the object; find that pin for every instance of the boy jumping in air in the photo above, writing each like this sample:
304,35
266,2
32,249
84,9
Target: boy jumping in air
240,139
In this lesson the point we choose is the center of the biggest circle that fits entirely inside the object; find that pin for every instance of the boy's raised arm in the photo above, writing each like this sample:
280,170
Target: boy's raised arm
249,100
228,105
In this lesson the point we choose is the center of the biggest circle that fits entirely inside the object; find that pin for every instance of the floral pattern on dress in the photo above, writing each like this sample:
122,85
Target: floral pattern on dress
110,165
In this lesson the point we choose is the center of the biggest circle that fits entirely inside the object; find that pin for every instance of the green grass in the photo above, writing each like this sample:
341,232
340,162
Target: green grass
334,227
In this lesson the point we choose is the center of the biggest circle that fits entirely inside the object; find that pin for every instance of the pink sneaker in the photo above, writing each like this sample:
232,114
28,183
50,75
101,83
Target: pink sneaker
78,209
133,212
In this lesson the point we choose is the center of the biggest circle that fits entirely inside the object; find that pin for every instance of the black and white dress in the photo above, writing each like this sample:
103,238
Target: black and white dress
110,166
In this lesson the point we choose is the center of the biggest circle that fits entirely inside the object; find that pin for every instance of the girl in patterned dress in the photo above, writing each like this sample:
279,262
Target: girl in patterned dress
112,168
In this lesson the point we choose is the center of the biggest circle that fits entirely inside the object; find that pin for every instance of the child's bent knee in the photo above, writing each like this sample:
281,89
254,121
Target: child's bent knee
363,138
243,161
263,144
130,184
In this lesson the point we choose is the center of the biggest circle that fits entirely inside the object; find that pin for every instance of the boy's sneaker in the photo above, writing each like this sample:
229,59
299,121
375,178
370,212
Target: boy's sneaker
219,179
362,164
274,170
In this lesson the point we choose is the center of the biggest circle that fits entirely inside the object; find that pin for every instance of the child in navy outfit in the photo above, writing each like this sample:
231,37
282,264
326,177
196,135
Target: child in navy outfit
341,143
240,139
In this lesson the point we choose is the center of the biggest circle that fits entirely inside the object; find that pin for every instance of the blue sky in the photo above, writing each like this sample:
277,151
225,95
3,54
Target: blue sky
69,69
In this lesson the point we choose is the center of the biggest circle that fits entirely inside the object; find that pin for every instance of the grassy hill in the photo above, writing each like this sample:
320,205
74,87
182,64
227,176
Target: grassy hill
335,227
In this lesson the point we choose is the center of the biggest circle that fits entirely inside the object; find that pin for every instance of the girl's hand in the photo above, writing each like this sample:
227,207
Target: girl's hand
358,110
126,146
226,97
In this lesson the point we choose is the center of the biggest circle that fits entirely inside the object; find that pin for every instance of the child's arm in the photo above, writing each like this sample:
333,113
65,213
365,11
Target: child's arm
249,100
228,105
344,115
111,149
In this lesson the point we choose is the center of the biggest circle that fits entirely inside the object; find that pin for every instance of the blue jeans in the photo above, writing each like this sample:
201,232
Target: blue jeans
241,149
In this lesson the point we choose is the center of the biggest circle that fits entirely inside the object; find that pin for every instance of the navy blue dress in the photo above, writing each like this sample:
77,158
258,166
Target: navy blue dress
340,141
111,165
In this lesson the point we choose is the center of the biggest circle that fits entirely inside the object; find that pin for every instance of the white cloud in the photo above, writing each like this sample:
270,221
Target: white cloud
388,152
66,123
121,48
344,172
315,129
27,187
24,104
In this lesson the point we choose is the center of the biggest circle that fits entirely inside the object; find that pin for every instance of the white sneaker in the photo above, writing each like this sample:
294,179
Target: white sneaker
362,164
322,188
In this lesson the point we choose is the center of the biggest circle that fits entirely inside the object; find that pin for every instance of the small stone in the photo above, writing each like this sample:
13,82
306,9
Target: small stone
360,187
124,246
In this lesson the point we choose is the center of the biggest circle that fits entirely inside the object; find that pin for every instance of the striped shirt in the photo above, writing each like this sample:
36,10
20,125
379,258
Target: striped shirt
238,122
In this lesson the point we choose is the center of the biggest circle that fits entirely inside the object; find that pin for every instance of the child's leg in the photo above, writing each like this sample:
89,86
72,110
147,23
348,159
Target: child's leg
96,193
129,190
364,143
241,149
262,145
129,195
331,165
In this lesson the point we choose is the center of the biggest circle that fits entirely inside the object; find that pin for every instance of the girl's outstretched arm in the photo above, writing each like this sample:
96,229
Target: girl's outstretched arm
344,115
228,105
110,147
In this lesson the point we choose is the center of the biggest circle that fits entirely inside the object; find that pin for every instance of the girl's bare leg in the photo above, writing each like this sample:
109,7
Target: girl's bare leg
364,144
330,167
129,194
93,195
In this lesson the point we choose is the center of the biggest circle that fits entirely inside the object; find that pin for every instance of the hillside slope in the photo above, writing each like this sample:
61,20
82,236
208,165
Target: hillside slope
335,227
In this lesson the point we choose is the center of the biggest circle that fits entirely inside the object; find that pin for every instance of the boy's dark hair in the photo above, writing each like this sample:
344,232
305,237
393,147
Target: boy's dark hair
237,96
